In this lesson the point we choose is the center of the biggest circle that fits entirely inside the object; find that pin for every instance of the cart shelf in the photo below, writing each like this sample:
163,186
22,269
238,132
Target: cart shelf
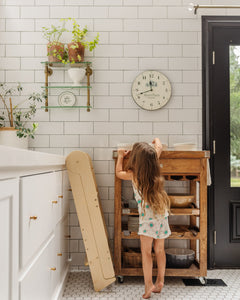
174,212
179,232
194,270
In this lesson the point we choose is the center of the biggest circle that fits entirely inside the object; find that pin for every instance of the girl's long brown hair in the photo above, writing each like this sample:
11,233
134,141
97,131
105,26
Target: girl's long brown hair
144,164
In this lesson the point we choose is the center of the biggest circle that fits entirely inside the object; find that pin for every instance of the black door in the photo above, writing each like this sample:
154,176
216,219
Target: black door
225,112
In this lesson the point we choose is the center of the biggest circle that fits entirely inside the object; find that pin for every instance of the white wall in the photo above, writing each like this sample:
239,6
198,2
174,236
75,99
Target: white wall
135,35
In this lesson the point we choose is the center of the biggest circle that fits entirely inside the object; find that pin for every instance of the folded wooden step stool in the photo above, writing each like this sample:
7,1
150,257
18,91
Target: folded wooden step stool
91,219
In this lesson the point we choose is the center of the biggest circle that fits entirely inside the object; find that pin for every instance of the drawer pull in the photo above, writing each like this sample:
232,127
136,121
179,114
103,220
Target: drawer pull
60,197
53,269
54,202
59,254
33,218
70,190
67,236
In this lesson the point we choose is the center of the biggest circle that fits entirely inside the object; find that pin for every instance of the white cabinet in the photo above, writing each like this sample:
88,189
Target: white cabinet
9,238
34,235
43,234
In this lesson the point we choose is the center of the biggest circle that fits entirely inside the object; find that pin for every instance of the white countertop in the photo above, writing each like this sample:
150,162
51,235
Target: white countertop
20,162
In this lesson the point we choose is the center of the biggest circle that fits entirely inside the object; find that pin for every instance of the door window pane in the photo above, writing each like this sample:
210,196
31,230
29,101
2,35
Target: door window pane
234,65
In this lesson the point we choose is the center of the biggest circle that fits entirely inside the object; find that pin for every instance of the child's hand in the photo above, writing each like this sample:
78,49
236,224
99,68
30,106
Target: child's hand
156,141
122,152
158,146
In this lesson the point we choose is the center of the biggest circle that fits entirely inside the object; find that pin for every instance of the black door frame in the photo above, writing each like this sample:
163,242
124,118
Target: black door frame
208,24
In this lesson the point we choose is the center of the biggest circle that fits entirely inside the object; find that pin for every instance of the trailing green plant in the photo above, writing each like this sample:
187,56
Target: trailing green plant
15,116
79,36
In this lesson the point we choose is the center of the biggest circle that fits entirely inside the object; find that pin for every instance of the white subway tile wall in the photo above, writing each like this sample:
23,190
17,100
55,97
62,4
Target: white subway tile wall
135,35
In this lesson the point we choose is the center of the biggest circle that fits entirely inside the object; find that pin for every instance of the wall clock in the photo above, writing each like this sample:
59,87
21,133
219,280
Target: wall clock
151,90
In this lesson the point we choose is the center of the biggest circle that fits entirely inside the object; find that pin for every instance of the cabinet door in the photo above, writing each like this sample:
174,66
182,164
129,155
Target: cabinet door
9,238
37,283
36,213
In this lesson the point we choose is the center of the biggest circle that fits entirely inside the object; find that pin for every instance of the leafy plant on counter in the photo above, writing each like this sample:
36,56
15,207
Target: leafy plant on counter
17,117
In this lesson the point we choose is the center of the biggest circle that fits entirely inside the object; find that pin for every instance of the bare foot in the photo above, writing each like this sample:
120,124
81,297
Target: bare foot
148,292
158,287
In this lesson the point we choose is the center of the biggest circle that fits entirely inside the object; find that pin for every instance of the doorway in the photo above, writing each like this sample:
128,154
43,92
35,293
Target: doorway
221,135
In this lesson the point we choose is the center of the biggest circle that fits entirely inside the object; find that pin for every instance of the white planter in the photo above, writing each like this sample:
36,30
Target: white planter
8,137
76,75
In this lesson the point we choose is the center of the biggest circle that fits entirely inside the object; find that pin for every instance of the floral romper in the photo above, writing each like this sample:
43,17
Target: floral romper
156,226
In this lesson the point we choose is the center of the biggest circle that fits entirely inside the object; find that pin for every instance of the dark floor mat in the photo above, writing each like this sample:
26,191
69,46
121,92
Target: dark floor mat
209,282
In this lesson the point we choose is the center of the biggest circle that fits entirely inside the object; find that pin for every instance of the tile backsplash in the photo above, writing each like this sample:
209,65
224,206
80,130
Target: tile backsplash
135,35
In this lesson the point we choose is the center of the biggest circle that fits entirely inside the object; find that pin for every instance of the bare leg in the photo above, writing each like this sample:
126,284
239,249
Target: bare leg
146,249
161,263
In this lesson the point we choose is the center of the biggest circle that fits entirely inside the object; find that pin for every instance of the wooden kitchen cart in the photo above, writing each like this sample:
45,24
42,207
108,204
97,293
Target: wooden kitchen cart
175,165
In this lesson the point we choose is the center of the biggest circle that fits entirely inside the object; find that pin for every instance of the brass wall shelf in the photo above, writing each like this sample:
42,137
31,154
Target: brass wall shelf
66,66
49,66
71,107
67,87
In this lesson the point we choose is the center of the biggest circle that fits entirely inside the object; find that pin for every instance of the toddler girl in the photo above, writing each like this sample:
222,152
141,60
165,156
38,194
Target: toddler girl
143,169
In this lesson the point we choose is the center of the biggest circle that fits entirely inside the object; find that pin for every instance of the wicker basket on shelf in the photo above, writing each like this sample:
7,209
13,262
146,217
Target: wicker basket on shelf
133,258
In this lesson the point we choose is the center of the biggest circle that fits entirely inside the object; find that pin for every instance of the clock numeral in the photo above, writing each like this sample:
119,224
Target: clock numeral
136,90
166,90
151,104
139,83
163,82
159,102
151,75
163,97
158,77
138,97
144,77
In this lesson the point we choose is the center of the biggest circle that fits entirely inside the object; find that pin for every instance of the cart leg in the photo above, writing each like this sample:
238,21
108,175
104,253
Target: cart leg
203,280
120,279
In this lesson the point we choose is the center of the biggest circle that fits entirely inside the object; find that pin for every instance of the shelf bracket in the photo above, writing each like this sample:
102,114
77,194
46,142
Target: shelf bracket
48,72
88,73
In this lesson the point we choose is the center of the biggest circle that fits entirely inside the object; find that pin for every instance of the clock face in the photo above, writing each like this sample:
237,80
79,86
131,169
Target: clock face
151,90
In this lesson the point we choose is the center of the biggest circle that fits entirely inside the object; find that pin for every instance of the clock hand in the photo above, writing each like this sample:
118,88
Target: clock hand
145,92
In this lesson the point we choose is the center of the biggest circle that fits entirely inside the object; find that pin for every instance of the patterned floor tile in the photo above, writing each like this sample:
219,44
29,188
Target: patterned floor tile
79,287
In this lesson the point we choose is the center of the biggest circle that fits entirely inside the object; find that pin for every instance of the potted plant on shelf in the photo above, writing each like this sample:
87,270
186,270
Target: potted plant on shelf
78,44
14,127
76,50
55,49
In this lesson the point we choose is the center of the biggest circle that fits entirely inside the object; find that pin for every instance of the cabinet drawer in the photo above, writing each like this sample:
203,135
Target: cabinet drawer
38,283
36,222
170,165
